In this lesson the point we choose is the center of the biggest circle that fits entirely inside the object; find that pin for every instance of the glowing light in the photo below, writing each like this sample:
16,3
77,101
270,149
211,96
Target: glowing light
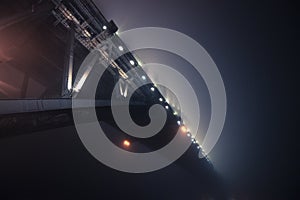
104,27
167,107
175,113
144,77
152,89
132,62
139,63
189,135
121,48
126,143
86,33
79,85
183,129
160,99
70,78
178,122
198,147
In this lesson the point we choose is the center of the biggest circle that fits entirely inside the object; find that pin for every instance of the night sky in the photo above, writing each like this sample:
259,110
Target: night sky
255,47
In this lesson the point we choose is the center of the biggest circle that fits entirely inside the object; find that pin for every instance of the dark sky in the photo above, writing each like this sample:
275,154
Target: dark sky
254,44
255,47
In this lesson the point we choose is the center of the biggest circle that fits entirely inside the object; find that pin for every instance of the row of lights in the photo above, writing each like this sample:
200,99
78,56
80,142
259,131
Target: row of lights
183,128
126,143
194,141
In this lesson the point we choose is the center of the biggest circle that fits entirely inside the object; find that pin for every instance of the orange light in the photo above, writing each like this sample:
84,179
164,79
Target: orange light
126,143
183,129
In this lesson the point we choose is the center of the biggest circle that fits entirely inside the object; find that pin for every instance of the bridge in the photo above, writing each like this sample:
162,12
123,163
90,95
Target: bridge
42,46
